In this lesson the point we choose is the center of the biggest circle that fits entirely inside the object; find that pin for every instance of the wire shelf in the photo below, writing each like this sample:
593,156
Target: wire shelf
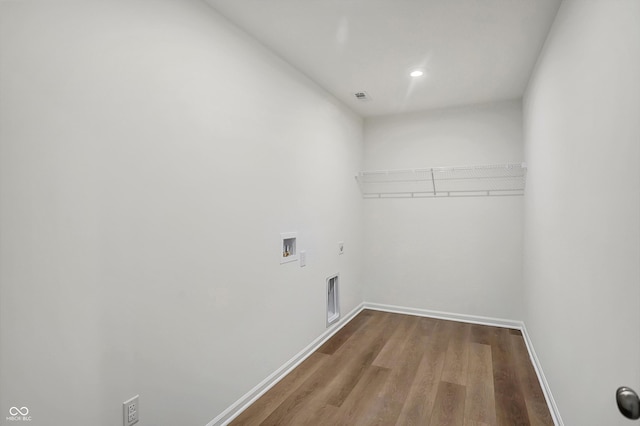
466,181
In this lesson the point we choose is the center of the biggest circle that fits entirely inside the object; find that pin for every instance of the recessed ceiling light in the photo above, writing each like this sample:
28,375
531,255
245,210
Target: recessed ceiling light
416,73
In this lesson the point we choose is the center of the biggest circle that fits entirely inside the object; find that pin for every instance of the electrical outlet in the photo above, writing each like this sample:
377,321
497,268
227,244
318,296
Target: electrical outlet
341,247
131,411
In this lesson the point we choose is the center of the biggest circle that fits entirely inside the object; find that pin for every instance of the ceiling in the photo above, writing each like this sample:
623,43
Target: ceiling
471,51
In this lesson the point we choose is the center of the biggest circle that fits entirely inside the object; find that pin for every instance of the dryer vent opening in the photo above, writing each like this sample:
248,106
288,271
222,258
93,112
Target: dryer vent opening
333,301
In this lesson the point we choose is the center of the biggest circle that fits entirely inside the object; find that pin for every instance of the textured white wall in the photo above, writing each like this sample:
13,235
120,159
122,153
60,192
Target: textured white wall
582,208
151,154
459,255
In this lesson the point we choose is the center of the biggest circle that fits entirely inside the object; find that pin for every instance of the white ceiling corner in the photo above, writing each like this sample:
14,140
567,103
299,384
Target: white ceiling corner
471,51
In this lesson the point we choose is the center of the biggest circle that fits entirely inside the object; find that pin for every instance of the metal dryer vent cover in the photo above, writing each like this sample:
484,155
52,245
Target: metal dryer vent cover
362,96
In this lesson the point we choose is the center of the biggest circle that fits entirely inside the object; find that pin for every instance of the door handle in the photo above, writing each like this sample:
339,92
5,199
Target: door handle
628,402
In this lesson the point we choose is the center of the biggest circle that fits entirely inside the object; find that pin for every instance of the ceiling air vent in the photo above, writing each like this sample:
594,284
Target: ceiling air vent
362,96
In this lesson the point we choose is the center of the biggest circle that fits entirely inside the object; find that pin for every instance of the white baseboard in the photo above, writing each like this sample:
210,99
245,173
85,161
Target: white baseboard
250,397
473,319
270,381
551,403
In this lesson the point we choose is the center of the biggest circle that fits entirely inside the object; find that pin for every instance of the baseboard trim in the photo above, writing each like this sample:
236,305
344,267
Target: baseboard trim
250,397
473,319
270,381
551,403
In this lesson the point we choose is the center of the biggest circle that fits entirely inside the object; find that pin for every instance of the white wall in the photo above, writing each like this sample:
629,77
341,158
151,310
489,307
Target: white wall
582,208
459,255
151,154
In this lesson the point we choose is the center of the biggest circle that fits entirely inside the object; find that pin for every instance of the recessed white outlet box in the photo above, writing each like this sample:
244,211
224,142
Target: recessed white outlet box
333,301
131,410
303,258
341,247
288,247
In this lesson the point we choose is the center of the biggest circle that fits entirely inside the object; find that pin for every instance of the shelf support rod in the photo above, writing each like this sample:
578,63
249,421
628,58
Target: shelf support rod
433,182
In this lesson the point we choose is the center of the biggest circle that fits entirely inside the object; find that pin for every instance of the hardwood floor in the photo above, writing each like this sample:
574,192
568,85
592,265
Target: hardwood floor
392,369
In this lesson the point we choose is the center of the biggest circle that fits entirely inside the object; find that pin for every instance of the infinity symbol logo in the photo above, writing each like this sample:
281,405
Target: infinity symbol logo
14,411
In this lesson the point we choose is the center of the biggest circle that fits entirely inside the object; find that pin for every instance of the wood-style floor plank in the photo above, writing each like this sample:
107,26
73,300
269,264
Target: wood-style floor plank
422,395
448,410
511,409
392,369
390,354
457,359
263,407
403,373
352,360
480,405
338,339
330,385
359,403
482,334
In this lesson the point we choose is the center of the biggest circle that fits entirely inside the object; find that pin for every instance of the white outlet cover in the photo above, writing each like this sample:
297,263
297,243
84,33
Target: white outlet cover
131,411
303,258
341,247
